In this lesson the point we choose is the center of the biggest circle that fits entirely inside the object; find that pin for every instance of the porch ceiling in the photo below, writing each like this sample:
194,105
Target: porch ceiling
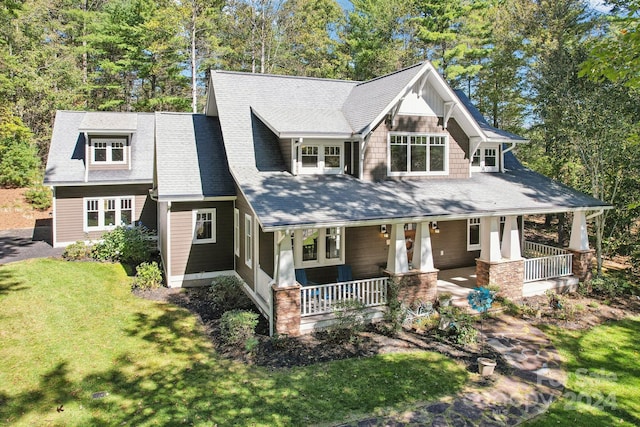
284,201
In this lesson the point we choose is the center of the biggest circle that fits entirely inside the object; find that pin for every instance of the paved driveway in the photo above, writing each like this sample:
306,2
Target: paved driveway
16,245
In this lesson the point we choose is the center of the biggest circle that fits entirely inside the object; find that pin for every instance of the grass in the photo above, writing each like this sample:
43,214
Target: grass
71,329
604,376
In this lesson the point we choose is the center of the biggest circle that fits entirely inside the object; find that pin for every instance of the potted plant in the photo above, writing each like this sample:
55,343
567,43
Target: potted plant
480,299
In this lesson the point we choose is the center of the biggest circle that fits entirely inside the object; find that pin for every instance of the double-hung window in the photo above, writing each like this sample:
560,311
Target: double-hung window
108,212
417,154
319,246
108,150
248,240
204,226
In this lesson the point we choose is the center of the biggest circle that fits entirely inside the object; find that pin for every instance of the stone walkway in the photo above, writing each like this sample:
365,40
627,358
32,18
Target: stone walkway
534,381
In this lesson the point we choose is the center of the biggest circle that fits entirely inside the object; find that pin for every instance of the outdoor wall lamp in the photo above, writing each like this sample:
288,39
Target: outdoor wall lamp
434,227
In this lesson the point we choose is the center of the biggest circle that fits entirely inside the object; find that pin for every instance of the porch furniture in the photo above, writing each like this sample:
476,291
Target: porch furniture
344,273
301,277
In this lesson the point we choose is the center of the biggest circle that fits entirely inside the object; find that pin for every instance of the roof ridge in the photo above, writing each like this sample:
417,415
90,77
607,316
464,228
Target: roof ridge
285,76
392,73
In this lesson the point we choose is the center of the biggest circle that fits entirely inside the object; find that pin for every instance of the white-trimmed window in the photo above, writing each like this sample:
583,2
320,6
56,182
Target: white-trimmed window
320,158
108,212
236,232
204,226
474,230
417,154
108,150
319,246
485,159
248,240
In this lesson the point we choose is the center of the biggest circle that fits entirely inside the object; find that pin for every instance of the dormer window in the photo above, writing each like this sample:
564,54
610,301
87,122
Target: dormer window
108,150
320,158
485,159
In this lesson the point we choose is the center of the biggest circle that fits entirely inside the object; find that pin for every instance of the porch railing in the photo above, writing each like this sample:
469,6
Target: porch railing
321,299
546,262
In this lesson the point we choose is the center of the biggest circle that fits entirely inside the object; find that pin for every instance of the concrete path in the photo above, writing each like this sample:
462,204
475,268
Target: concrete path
534,381
25,243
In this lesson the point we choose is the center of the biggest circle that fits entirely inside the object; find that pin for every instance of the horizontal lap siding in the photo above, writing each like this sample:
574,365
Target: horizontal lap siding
450,246
267,252
242,269
189,258
70,209
366,251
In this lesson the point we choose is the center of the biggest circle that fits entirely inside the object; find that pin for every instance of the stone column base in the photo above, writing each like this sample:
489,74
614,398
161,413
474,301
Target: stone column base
582,264
286,309
507,275
416,285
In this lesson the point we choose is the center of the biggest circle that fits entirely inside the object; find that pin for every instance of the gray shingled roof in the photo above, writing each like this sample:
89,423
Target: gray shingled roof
66,163
491,132
109,121
191,161
281,200
369,99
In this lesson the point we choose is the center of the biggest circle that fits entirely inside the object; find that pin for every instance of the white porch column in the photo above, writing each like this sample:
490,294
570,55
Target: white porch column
511,238
490,239
579,236
422,252
397,261
285,271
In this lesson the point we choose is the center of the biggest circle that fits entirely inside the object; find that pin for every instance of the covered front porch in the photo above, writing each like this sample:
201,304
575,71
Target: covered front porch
517,267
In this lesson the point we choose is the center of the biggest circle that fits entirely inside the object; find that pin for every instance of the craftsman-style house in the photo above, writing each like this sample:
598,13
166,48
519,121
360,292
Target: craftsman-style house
315,191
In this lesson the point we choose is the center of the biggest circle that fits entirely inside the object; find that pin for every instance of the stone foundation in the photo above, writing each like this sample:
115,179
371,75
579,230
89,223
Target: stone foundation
416,286
508,275
582,264
286,310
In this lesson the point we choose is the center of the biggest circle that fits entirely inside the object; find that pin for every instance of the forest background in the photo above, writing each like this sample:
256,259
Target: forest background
563,73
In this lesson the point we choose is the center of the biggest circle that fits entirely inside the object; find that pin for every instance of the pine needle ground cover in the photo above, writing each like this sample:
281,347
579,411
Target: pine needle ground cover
604,376
77,348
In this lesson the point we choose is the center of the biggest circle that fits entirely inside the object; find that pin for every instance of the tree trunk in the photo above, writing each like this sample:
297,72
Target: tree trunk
194,71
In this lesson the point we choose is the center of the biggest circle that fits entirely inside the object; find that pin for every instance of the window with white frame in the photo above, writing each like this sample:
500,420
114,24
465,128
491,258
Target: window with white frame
320,158
417,154
108,150
204,226
318,246
248,240
485,159
473,232
108,212
236,232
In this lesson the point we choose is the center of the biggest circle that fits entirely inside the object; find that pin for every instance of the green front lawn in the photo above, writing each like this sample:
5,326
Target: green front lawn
69,330
604,376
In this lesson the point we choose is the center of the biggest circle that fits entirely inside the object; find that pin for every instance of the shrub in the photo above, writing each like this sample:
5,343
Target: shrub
611,287
130,245
148,276
237,327
460,326
77,251
226,294
349,320
392,319
39,196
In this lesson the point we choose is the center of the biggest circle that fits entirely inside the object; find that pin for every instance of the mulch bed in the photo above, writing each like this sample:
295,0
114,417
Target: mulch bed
287,352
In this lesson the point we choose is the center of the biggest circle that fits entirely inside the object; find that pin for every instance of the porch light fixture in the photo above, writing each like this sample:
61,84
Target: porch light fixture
383,230
434,227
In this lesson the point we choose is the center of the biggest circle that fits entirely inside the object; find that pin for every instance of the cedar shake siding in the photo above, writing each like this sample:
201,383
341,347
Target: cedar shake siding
193,258
375,162
70,209
241,267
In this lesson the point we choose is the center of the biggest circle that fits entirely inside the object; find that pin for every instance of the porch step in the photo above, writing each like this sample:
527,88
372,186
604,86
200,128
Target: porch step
458,293
559,284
